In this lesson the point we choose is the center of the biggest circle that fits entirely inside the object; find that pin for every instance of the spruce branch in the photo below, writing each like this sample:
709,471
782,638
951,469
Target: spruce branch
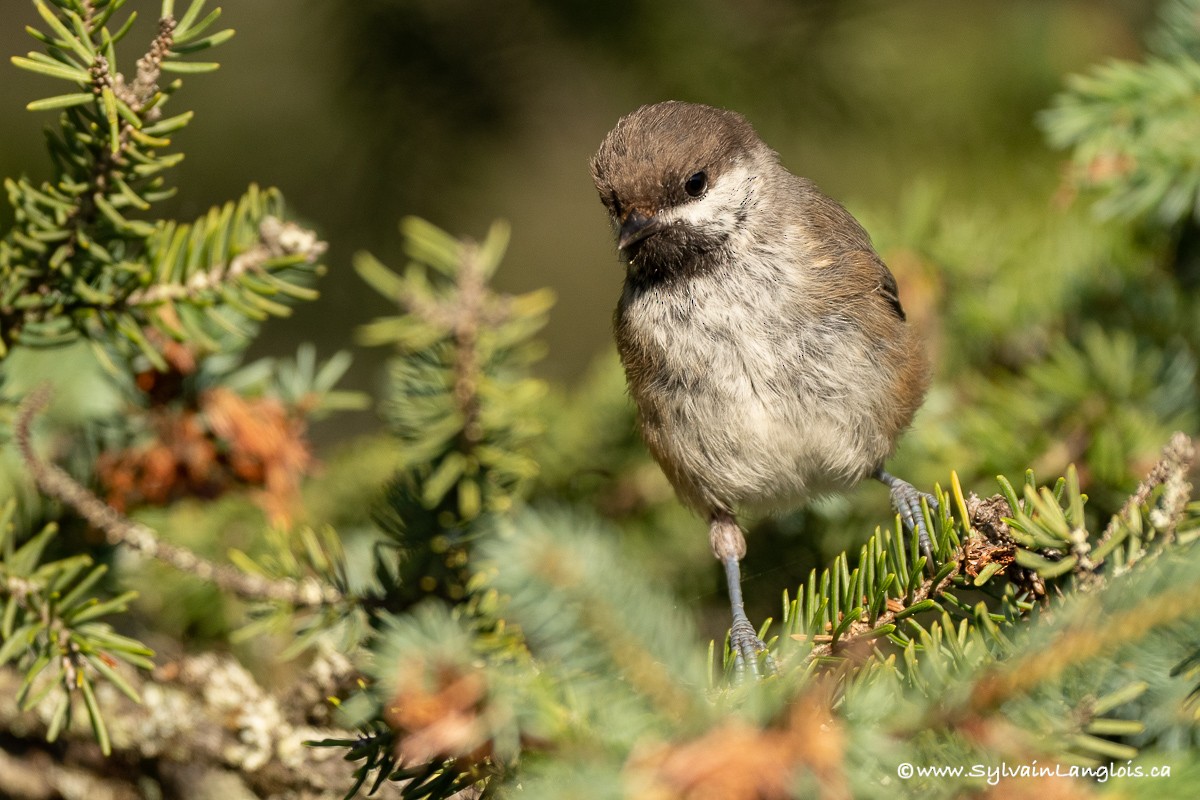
276,240
862,631
1082,642
1009,547
83,259
1130,126
110,161
51,629
461,395
461,313
119,530
200,716
145,83
1056,540
1170,471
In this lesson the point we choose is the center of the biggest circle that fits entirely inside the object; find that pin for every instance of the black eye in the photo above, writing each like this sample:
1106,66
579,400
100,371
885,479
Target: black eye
696,184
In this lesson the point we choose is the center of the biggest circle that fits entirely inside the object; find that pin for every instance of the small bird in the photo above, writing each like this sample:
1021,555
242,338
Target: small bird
762,336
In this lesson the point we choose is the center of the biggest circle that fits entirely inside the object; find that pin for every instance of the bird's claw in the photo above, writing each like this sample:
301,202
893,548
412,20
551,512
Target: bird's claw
906,499
748,648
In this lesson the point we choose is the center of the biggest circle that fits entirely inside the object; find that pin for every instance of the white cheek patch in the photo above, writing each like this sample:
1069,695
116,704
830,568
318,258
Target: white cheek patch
719,208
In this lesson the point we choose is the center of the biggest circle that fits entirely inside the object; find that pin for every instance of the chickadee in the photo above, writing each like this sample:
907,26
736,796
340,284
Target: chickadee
762,336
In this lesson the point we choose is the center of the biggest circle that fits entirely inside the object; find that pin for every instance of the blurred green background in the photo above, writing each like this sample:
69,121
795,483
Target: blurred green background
920,116
1057,337
461,111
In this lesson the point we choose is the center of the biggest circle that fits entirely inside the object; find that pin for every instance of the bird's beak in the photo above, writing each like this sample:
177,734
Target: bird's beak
635,227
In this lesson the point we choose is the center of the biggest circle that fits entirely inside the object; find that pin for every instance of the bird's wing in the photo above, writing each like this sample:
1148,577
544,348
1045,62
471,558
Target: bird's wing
853,270
887,285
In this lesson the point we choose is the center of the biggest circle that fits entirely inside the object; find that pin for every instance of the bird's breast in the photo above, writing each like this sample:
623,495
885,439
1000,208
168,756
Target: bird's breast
744,398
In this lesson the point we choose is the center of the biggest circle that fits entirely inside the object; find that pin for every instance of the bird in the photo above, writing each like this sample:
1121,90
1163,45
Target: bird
762,336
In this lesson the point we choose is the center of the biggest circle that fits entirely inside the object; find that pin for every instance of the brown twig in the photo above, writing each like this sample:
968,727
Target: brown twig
56,483
276,238
149,67
1171,470
135,96
462,316
1075,644
472,294
858,630
201,718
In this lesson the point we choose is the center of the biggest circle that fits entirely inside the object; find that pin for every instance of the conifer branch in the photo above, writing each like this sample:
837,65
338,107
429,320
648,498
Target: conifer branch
1078,645
471,297
119,530
200,716
1170,471
276,239
145,83
462,314
931,588
109,160
459,335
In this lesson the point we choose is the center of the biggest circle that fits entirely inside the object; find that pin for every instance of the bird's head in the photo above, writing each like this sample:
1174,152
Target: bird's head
679,180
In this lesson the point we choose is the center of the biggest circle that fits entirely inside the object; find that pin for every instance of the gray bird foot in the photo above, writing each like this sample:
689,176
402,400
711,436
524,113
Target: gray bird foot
749,649
906,499
729,546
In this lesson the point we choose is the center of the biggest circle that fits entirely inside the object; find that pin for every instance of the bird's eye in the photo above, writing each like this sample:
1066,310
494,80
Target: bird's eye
616,204
696,184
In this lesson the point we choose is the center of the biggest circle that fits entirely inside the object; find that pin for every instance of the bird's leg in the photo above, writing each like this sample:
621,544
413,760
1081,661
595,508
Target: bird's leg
906,499
729,545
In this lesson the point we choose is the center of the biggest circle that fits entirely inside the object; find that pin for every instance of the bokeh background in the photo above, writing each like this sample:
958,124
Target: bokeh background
462,111
920,116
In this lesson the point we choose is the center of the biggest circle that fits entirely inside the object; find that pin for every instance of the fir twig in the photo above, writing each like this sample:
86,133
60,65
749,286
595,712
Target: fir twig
111,159
149,67
462,315
204,712
1076,644
276,239
472,294
119,530
1171,470
826,645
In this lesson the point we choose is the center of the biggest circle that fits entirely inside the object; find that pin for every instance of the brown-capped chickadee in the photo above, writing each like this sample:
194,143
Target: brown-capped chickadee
762,336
